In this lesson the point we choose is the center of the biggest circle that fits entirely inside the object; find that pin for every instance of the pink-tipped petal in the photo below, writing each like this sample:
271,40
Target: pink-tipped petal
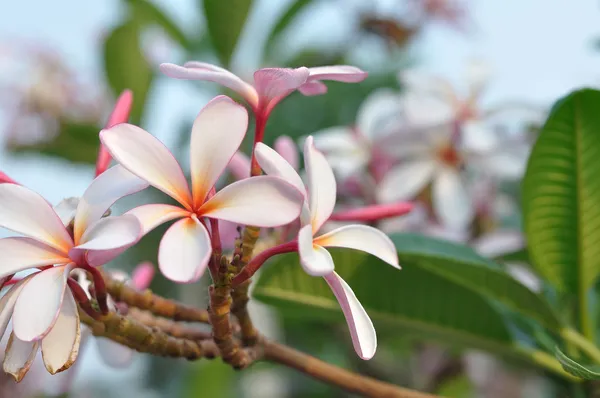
315,260
6,179
66,210
363,238
313,88
373,213
19,357
217,134
339,73
321,185
261,201
286,147
275,165
364,338
7,303
39,303
120,114
274,84
239,166
26,212
228,232
114,354
61,345
207,72
146,157
102,193
153,215
184,251
18,254
142,275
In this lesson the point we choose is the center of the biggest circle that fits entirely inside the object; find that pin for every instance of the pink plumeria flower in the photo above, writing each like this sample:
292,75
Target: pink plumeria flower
217,133
271,85
42,308
239,165
315,259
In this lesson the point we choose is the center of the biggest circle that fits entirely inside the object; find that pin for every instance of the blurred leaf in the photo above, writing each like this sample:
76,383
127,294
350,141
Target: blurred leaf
209,379
225,20
150,13
458,387
588,372
126,67
413,299
517,256
286,18
461,265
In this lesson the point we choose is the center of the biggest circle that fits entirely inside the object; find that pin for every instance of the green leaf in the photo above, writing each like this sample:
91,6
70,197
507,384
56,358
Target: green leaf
588,372
286,18
461,265
517,256
151,14
126,67
561,193
413,299
225,21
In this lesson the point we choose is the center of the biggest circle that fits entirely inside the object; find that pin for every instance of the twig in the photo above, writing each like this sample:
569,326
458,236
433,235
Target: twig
169,326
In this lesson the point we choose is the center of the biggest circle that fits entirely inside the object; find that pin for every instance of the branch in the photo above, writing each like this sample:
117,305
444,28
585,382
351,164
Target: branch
169,326
349,381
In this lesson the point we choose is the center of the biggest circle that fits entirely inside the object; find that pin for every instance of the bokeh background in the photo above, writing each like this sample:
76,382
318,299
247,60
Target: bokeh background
62,64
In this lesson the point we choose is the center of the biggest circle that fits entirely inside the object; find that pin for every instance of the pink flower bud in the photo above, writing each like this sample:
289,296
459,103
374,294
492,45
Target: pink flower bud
120,114
373,213
142,275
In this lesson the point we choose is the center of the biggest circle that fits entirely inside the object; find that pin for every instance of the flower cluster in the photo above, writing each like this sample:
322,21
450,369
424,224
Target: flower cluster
65,246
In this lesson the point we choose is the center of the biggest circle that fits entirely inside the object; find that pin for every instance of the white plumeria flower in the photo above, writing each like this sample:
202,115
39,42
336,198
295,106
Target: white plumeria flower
351,149
43,311
315,259
217,133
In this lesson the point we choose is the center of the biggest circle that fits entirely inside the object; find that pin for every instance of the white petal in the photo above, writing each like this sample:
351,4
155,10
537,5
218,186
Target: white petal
19,357
315,260
66,209
39,302
321,185
378,113
363,238
26,212
499,242
184,251
18,254
422,110
275,165
217,133
405,181
111,233
262,201
114,354
239,165
7,303
364,338
477,136
451,199
478,76
202,71
61,346
505,164
340,73
105,190
145,156
151,216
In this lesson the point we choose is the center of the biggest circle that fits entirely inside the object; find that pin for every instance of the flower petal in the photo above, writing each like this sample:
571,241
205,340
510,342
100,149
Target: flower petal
114,354
275,165
286,147
61,345
405,181
19,357
27,213
39,303
363,238
239,166
19,254
142,275
102,193
153,215
261,201
321,185
499,242
379,113
217,134
364,338
479,137
66,210
313,88
273,84
184,251
345,151
451,200
120,114
315,260
7,303
339,73
146,157
194,70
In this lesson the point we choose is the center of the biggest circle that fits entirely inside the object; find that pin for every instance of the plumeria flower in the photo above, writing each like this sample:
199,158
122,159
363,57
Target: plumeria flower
239,165
217,133
315,259
43,310
271,85
353,149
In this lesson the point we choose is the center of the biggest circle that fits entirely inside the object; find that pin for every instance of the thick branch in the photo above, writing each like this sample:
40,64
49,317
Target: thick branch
351,382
